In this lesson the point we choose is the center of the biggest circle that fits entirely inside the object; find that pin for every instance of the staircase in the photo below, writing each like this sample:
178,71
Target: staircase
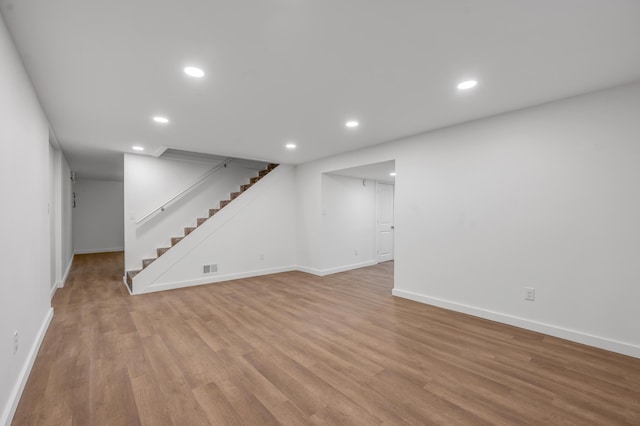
199,221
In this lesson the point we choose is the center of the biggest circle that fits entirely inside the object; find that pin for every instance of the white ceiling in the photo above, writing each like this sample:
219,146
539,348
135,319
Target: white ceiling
281,70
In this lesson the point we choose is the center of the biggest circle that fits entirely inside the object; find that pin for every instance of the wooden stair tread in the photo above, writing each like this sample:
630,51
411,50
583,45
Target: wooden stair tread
175,240
147,262
188,230
162,250
130,275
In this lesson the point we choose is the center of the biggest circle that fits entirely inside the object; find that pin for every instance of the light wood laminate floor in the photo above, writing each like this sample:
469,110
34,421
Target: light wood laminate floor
296,349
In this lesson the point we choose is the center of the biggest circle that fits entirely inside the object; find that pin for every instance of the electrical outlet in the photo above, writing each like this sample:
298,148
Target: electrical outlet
15,342
529,293
355,252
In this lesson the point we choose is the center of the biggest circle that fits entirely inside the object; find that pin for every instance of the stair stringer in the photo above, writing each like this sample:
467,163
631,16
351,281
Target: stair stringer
142,239
262,218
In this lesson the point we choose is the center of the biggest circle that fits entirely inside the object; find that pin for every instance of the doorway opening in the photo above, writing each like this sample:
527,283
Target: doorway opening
364,221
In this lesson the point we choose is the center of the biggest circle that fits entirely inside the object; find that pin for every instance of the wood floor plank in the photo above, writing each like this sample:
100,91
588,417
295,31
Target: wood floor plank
216,406
295,349
171,383
152,410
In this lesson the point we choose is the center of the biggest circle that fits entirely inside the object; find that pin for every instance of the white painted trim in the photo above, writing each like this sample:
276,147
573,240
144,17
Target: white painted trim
53,291
16,393
550,329
60,284
308,270
126,284
348,267
213,278
323,272
63,281
105,250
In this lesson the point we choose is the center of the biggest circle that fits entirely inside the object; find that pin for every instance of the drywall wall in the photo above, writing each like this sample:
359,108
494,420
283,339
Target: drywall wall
51,209
545,197
63,218
150,182
313,248
24,226
348,222
98,223
65,215
254,235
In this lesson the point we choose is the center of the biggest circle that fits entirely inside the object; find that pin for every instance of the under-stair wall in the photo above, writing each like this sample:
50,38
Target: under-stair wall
253,235
150,181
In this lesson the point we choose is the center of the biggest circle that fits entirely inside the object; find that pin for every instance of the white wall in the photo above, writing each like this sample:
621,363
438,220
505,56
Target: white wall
150,182
308,197
65,213
51,209
98,223
348,223
312,246
62,213
254,235
24,225
546,197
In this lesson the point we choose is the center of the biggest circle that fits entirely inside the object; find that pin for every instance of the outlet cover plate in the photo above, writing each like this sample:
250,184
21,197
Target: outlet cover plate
529,294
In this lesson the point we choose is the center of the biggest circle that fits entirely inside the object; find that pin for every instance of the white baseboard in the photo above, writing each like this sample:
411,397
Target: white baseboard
210,279
60,284
18,388
323,272
126,284
213,278
552,330
104,250
53,291
349,267
308,270
66,274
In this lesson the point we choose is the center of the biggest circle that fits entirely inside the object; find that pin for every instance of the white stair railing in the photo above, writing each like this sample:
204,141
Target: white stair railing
182,193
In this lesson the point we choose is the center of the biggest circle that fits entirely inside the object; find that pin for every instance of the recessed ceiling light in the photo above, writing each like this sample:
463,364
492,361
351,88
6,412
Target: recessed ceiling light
467,84
392,174
137,148
194,72
352,124
290,145
162,120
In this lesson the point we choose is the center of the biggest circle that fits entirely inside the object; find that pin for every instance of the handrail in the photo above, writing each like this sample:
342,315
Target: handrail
184,191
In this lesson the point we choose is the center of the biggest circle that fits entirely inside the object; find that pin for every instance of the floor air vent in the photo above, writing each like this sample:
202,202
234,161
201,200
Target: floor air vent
209,269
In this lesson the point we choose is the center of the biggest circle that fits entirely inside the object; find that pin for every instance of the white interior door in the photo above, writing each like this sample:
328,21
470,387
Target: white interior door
384,221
